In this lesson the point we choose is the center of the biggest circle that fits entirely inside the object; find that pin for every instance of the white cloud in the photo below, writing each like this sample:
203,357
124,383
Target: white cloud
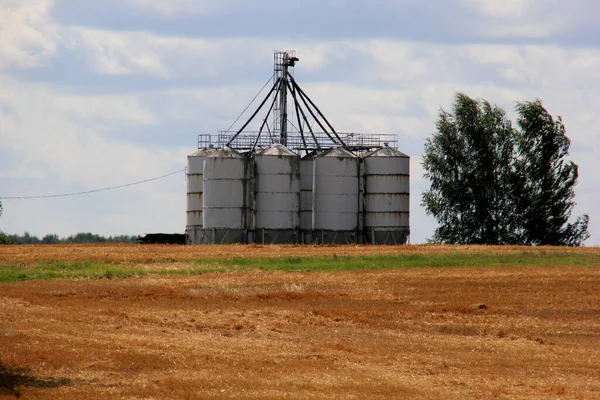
503,9
399,62
56,134
114,53
525,19
173,57
28,37
530,30
173,8
143,53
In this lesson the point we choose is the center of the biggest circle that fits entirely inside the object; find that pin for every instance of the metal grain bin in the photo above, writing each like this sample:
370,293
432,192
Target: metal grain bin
226,197
336,197
277,195
387,196
306,200
195,167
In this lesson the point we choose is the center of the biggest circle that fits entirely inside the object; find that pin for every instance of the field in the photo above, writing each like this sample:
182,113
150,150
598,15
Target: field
355,322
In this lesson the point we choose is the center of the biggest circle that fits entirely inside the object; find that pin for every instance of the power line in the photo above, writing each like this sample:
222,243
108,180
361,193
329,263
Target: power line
89,191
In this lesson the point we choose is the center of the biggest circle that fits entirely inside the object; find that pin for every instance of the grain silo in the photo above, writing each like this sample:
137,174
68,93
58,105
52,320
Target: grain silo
386,197
194,175
226,199
291,177
306,197
335,216
277,195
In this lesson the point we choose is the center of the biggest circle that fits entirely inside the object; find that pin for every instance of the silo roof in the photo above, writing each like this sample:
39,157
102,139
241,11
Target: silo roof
367,153
225,153
339,152
387,152
277,150
205,152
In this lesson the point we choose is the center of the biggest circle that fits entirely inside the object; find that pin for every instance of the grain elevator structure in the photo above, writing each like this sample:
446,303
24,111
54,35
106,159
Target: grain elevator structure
294,179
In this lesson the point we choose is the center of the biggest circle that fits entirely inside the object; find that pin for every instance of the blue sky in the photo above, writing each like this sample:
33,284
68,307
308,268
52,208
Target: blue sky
101,93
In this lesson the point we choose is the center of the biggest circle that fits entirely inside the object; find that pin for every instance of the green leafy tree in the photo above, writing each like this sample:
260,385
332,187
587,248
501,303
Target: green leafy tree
50,239
468,164
492,184
547,179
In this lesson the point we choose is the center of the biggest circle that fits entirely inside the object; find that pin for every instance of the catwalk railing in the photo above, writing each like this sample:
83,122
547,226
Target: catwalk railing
307,142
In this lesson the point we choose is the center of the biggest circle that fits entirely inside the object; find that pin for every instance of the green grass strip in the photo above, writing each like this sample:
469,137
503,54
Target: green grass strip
333,263
96,270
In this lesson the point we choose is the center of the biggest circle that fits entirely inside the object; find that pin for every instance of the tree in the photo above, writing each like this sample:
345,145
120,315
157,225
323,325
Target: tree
546,197
493,184
468,164
50,238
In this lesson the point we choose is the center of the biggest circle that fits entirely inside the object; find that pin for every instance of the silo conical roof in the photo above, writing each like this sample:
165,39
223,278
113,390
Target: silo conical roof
204,152
387,152
225,153
338,152
277,150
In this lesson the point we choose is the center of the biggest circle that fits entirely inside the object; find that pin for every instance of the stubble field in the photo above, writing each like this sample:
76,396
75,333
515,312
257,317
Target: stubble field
195,322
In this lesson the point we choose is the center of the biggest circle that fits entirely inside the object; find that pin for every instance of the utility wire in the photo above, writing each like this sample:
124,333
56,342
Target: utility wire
248,106
88,191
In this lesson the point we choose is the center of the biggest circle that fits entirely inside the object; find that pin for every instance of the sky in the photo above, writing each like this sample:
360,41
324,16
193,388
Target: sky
100,93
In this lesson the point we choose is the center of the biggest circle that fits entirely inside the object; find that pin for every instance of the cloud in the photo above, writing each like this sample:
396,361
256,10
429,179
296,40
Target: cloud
28,38
173,8
143,53
65,136
139,53
529,19
506,9
119,54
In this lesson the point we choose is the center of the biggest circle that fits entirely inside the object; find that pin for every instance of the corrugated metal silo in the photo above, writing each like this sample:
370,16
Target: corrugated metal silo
195,166
277,195
306,200
387,196
226,197
336,197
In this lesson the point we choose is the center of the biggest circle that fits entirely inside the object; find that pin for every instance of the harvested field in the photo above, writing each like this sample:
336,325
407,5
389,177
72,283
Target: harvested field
127,253
527,331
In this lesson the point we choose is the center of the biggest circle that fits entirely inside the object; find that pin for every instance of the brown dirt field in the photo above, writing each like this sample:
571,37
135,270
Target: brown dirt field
422,333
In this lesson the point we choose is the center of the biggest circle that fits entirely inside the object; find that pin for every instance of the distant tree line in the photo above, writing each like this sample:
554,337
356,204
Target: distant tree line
82,237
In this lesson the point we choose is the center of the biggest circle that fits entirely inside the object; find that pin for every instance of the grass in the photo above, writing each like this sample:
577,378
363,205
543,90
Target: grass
345,263
105,270
61,269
